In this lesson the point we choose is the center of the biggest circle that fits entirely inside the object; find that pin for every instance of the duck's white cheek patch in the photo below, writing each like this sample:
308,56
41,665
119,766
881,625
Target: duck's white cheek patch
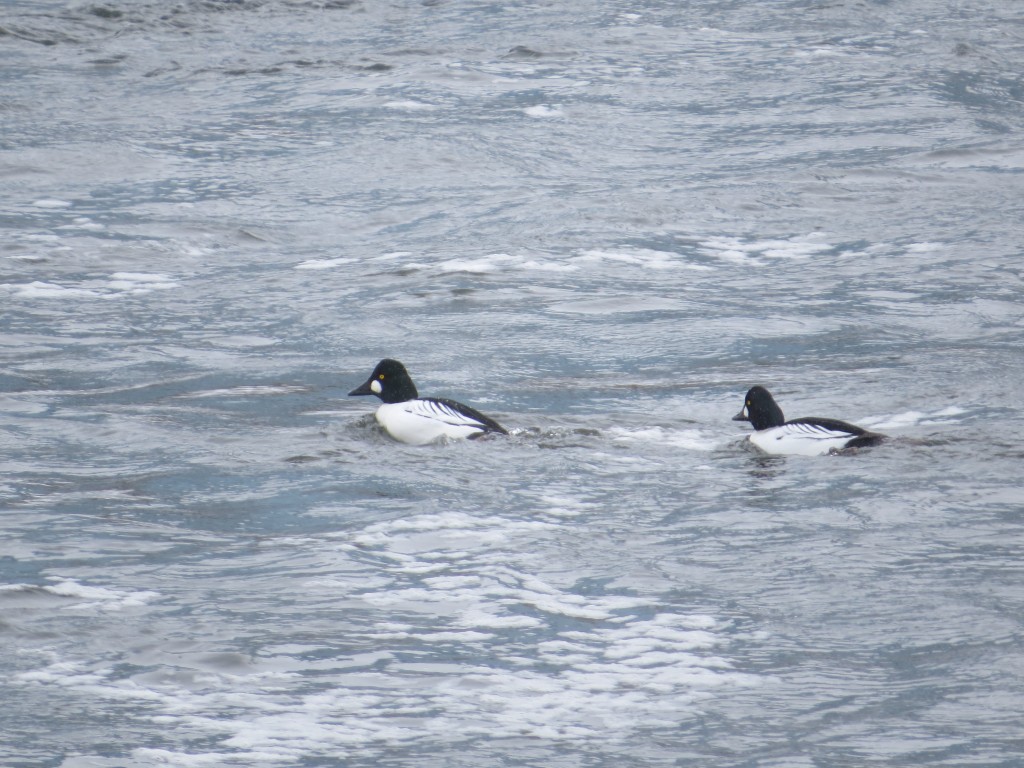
375,387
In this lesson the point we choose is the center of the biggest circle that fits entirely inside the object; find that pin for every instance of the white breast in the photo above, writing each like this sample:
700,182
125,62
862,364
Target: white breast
800,439
419,422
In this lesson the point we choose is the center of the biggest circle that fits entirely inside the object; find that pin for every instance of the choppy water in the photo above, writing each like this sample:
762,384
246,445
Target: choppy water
597,222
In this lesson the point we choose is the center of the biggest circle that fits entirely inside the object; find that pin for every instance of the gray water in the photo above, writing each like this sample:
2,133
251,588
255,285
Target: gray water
599,223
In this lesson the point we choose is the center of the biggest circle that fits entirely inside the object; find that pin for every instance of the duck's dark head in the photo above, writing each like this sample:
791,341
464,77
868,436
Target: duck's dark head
390,382
760,409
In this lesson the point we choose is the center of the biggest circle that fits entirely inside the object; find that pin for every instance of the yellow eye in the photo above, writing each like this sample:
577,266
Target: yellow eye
381,377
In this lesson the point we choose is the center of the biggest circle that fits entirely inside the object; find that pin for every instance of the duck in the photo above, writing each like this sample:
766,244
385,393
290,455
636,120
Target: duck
809,436
416,420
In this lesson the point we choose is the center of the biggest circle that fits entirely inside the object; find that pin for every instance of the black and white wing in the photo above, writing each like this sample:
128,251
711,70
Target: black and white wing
454,413
813,436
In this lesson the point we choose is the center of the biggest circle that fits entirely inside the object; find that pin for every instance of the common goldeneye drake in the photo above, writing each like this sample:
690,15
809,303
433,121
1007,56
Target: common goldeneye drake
416,420
802,437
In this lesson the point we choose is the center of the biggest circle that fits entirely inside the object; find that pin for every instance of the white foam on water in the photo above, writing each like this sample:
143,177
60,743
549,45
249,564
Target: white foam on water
409,105
51,203
753,252
100,598
645,258
13,404
542,110
818,53
84,222
118,284
38,289
247,391
324,263
502,652
559,505
588,259
41,237
11,588
585,685
914,418
85,597
140,282
494,262
462,522
925,247
690,439
548,265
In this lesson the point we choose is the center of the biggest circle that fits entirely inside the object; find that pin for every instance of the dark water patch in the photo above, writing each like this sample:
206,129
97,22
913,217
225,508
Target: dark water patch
522,52
106,12
989,93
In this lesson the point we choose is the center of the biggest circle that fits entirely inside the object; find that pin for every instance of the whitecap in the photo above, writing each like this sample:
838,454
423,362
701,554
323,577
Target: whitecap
491,263
467,636
541,110
41,290
480,617
564,506
324,263
542,265
915,418
84,222
924,247
408,104
690,439
142,277
736,249
119,284
102,598
593,666
253,390
646,258
139,282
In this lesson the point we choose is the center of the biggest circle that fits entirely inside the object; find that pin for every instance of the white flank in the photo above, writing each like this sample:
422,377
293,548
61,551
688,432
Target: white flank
419,422
800,439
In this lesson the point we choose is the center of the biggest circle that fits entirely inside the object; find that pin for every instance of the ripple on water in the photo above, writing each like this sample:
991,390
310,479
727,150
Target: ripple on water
449,637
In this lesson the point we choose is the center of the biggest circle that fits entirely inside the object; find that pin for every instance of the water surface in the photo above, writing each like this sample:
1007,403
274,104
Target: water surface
597,223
